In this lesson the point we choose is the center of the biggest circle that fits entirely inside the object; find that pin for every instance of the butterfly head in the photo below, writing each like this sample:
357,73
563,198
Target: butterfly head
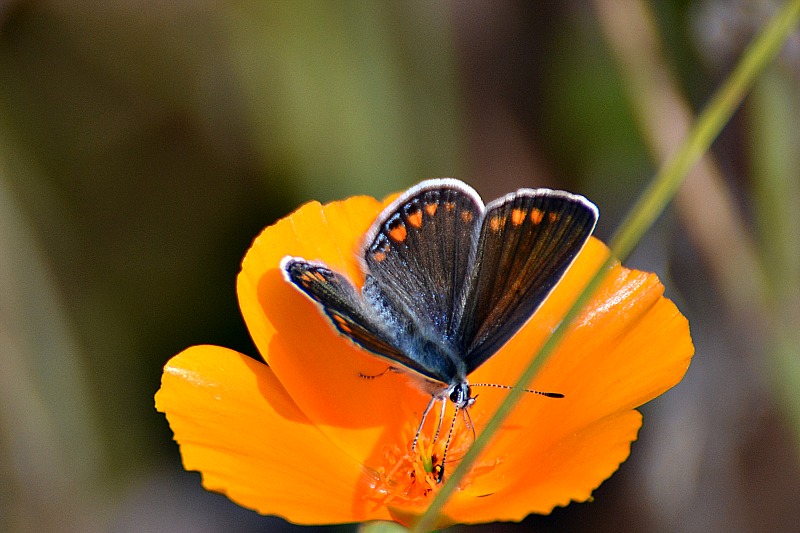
461,395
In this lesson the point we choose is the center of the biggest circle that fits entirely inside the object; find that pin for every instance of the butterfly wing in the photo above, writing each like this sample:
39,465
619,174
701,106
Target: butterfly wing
527,241
344,306
449,283
419,250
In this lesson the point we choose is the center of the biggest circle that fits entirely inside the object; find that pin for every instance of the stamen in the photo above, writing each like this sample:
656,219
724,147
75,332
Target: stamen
408,477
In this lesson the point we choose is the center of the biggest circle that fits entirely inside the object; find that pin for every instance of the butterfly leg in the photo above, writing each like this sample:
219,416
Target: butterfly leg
441,418
468,423
422,422
439,469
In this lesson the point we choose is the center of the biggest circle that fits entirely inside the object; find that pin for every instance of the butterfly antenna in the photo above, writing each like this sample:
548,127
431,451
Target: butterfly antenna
373,376
540,393
440,468
422,422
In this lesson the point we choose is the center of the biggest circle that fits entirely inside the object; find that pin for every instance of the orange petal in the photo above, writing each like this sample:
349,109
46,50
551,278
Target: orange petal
318,367
549,479
313,231
236,424
629,345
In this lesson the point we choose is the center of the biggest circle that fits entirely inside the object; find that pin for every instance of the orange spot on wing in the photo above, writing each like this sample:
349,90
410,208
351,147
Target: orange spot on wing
517,216
319,277
536,215
630,336
552,217
496,223
379,256
431,209
398,233
449,206
342,323
466,216
415,218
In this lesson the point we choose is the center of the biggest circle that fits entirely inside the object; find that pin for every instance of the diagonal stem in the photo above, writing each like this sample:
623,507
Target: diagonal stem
649,206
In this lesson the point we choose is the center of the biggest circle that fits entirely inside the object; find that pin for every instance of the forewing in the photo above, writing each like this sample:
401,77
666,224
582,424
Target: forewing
418,250
344,306
527,241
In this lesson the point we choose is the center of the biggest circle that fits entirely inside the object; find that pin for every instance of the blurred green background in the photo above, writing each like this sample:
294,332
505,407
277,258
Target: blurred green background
144,145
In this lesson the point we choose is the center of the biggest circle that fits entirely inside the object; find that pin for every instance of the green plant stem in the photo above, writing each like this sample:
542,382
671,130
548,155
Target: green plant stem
650,205
706,128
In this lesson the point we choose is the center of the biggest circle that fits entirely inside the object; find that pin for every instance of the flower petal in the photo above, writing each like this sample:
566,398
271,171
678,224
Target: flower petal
327,233
320,369
236,424
549,479
629,345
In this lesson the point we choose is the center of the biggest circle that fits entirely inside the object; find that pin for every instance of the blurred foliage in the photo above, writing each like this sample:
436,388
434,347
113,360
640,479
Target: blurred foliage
350,97
144,145
52,454
774,141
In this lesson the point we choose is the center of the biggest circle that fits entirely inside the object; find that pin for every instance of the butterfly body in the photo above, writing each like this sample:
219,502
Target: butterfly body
448,281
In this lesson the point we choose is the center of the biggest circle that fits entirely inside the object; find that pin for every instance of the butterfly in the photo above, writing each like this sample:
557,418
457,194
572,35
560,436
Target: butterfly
449,280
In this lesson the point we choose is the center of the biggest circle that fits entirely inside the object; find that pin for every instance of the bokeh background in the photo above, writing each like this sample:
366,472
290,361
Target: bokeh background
143,145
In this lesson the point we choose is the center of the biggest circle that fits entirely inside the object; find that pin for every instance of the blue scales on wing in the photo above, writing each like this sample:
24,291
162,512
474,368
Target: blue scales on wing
347,310
447,281
419,251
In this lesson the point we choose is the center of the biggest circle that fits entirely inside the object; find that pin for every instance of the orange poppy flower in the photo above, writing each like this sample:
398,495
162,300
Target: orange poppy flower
306,437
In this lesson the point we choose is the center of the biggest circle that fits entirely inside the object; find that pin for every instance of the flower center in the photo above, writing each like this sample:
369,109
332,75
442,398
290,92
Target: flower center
407,477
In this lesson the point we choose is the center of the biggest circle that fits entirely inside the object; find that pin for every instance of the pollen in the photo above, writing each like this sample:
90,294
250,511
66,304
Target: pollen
407,477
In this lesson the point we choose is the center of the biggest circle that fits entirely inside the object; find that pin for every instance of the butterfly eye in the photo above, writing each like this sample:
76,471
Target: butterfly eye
461,396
